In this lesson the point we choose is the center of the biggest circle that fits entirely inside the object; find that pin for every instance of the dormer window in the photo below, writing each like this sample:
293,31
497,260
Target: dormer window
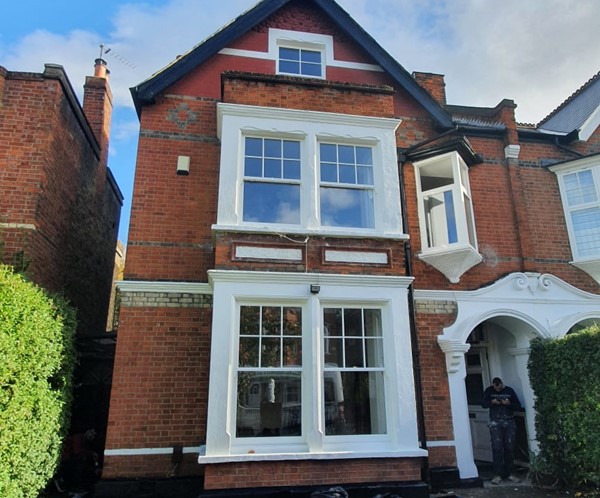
300,62
447,225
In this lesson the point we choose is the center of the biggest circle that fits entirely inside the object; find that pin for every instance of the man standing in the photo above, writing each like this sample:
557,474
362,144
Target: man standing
502,402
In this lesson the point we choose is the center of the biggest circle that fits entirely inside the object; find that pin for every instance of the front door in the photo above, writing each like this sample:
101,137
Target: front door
476,381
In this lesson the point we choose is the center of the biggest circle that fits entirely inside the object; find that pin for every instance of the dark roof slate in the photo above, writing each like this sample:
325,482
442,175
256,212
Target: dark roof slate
574,112
146,91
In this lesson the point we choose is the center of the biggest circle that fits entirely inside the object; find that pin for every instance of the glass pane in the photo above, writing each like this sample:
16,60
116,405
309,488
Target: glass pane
328,153
292,321
291,170
372,322
346,154
271,203
289,53
586,227
436,175
289,67
254,147
332,318
364,175
358,407
311,56
440,219
347,207
248,354
271,320
269,404
328,172
354,353
353,322
580,188
253,167
270,352
364,155
272,168
291,149
374,352
311,69
347,174
249,320
273,148
474,386
334,352
292,351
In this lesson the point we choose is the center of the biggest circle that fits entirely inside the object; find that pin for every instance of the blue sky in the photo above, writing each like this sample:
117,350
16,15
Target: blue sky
536,52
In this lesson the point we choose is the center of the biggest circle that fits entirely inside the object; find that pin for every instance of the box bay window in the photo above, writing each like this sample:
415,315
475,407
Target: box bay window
295,374
447,225
579,183
307,171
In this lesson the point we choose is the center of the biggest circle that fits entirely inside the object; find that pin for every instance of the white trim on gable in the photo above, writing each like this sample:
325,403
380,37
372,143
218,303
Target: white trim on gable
279,37
590,126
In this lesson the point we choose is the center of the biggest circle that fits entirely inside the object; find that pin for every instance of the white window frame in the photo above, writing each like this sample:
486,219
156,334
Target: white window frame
592,164
460,188
310,127
389,294
299,40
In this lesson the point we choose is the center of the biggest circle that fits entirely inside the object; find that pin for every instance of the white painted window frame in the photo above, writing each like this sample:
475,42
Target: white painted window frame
460,213
310,127
390,294
589,163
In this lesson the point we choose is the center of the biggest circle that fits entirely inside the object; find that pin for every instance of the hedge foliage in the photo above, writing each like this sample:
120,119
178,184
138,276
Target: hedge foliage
37,357
565,376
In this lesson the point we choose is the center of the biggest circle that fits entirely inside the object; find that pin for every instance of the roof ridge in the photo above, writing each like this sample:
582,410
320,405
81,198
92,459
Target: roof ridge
576,93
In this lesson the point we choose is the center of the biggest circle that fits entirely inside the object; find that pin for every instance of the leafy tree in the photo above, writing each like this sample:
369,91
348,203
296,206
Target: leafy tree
37,357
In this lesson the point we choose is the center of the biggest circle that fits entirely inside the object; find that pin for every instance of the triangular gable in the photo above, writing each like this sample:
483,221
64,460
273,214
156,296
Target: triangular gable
579,113
146,91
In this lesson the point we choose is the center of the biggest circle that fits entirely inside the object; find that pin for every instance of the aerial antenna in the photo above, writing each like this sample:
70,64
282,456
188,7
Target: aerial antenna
104,51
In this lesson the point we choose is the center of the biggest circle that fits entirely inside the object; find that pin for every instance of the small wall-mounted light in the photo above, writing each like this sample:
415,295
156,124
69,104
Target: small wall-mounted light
183,165
315,289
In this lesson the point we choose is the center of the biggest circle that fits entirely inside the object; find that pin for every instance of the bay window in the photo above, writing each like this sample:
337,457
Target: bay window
307,172
294,374
447,225
579,183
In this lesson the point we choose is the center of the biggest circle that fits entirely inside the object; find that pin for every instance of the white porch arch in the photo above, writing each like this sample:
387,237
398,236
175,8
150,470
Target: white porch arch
531,304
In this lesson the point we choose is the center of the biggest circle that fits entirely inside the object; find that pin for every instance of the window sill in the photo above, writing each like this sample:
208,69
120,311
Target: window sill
452,261
329,455
319,232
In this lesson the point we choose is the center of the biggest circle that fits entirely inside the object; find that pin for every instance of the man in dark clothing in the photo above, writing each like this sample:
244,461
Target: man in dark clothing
502,402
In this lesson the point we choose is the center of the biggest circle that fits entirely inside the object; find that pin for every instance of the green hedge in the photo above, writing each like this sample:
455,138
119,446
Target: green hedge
37,358
565,376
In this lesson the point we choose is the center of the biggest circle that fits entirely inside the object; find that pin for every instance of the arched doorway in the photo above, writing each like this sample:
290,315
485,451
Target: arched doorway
512,311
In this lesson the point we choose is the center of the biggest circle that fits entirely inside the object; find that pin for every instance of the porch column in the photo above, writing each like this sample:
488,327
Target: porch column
521,356
455,365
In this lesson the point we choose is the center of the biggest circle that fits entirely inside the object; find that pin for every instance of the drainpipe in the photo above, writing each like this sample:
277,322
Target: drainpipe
416,360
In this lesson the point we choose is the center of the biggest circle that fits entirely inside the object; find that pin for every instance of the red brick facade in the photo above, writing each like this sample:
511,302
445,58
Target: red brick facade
60,206
160,394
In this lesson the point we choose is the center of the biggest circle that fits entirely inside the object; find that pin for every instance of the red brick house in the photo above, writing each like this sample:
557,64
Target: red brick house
59,205
327,263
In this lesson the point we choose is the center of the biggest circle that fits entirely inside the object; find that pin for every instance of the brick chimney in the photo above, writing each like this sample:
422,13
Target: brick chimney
434,84
97,106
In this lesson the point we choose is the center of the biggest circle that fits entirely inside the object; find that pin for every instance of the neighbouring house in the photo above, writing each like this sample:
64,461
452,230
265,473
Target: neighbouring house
327,263
60,204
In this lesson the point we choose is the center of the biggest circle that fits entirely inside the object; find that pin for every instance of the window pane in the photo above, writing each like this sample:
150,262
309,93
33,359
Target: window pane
254,147
250,320
269,404
289,67
292,54
440,219
271,320
291,149
372,320
328,153
364,175
292,320
347,174
354,353
374,352
270,354
248,354
346,154
580,188
328,172
364,155
253,167
353,325
586,228
272,168
362,408
291,170
311,56
273,148
310,69
342,207
271,203
292,351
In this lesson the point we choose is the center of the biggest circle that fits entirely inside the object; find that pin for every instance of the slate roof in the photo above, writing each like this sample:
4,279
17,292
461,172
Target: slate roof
573,113
146,91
